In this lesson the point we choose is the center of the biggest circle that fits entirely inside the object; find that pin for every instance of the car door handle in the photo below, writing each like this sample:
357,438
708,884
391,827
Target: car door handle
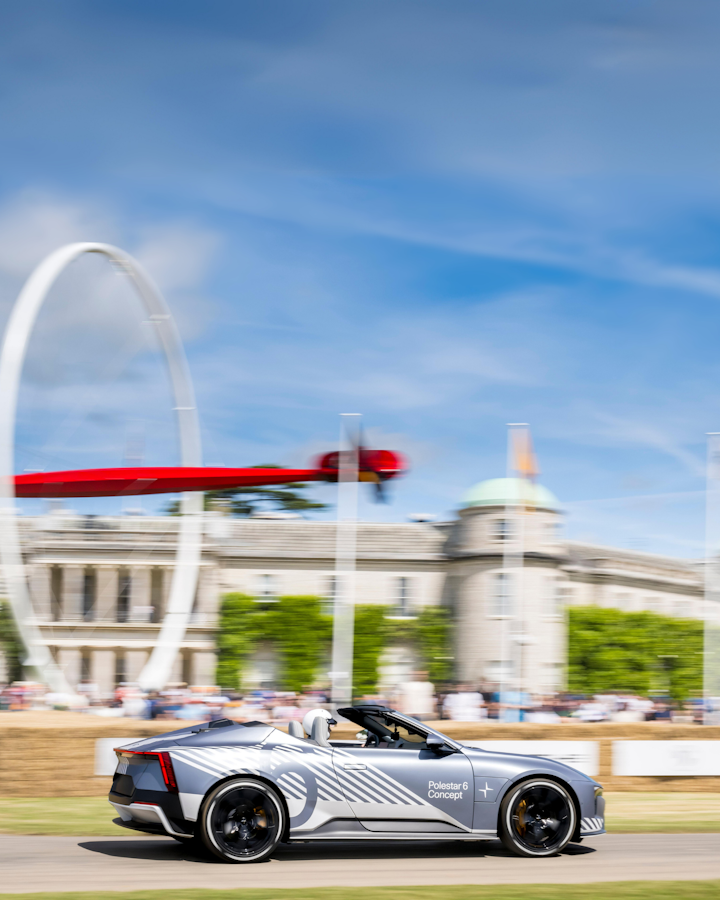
355,767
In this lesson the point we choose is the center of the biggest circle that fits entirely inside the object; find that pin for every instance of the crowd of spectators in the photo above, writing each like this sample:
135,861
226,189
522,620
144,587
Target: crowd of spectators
418,697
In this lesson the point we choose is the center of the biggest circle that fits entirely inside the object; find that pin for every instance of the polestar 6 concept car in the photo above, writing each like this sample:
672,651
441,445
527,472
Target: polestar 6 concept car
241,789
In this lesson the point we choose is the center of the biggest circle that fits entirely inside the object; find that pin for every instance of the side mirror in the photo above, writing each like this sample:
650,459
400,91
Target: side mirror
435,743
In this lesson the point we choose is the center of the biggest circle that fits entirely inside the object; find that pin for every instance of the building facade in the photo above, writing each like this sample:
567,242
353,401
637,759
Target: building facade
99,584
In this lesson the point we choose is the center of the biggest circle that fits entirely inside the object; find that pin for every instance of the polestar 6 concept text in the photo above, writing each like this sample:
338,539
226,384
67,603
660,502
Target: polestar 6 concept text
241,789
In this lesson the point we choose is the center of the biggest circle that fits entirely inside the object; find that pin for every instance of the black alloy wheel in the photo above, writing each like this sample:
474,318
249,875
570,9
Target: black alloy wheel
537,818
242,821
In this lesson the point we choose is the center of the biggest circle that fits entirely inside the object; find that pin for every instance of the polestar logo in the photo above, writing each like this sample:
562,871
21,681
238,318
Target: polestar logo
485,790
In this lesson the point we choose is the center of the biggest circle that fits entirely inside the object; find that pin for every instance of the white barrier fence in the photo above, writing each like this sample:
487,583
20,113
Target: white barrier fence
629,758
581,755
666,758
105,758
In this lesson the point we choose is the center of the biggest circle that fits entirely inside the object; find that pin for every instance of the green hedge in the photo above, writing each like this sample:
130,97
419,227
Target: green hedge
302,633
10,643
610,650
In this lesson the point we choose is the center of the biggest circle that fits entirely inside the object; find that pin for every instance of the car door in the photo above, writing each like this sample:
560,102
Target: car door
407,789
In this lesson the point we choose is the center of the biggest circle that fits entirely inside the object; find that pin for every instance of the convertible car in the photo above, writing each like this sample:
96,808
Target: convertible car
241,789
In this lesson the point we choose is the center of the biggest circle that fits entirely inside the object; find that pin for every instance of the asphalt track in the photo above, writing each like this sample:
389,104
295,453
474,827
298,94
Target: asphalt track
129,863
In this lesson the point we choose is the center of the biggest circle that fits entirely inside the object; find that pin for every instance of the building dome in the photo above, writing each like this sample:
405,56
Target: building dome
511,492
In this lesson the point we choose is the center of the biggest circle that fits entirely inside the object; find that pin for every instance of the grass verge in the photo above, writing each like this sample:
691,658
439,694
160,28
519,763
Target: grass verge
627,813
620,890
668,813
91,816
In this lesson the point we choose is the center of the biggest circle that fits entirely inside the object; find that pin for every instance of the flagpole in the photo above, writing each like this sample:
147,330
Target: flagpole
711,642
345,561
510,550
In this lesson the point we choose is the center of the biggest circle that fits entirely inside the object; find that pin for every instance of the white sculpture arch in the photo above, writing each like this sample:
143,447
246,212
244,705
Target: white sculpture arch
158,668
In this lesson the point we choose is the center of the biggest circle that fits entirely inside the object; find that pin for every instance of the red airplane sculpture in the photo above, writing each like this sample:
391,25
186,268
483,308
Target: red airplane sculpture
374,466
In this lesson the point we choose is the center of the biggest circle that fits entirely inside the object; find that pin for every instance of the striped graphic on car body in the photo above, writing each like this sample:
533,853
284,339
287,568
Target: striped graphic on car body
223,761
220,761
293,785
319,764
372,783
591,825
333,783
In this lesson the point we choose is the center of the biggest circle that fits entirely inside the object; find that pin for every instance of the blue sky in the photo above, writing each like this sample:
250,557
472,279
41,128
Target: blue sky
446,216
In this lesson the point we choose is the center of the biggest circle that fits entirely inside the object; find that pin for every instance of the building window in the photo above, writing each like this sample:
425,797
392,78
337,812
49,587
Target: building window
56,590
266,592
119,669
89,588
85,667
502,599
502,529
123,596
156,594
402,605
328,604
186,673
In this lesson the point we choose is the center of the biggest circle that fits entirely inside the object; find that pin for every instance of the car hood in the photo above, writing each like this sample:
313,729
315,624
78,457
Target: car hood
510,765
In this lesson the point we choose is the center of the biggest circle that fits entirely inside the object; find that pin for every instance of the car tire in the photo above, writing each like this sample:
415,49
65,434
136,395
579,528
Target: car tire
537,818
242,821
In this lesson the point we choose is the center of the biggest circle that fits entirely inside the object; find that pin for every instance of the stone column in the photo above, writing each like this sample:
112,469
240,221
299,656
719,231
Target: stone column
103,670
139,593
39,586
207,601
203,667
69,660
178,668
73,576
134,662
106,596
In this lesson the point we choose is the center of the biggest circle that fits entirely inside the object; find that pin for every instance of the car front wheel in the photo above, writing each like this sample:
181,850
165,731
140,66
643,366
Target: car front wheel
242,821
537,818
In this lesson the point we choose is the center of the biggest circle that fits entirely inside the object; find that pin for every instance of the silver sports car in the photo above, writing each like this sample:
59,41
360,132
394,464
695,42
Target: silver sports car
241,789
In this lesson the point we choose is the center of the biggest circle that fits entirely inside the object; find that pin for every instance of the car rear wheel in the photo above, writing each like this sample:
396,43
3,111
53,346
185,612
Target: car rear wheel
242,821
537,818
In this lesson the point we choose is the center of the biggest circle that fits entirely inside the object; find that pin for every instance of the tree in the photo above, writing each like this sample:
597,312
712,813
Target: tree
302,633
247,501
609,650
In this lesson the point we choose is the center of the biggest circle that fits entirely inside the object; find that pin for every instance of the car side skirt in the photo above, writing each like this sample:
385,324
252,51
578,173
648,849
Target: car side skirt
353,830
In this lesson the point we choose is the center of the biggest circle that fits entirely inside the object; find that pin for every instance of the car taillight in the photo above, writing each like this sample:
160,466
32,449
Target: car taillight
166,766
168,772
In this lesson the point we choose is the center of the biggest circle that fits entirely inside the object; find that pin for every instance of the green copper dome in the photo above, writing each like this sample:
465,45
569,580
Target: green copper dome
510,492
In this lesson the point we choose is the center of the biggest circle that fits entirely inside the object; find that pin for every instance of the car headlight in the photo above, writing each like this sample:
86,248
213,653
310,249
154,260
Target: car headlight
598,792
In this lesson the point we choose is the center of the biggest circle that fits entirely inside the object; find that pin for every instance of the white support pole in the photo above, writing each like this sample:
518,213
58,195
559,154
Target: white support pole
17,335
512,580
711,612
345,561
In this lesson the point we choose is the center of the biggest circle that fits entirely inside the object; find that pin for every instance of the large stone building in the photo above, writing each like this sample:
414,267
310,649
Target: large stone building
99,585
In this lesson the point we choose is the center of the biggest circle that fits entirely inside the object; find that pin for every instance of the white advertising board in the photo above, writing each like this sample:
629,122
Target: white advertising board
105,759
666,758
581,755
